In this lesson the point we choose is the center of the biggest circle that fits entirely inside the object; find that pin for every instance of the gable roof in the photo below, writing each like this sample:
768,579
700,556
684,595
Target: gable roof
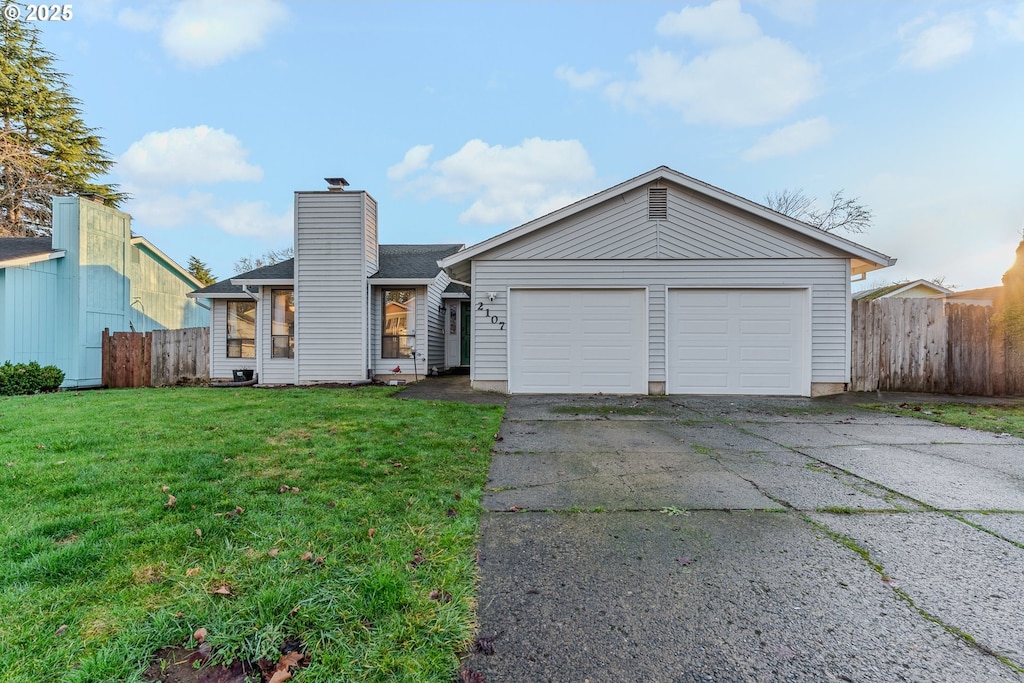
412,261
20,251
864,259
227,289
895,289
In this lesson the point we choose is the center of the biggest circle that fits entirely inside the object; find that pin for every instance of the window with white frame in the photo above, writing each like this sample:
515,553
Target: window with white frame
398,338
241,329
282,323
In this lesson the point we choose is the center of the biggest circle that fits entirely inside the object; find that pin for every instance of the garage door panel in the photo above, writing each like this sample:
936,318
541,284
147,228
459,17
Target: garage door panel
737,341
586,341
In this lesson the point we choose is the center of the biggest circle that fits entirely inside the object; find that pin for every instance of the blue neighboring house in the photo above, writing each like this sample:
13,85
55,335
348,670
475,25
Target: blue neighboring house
58,293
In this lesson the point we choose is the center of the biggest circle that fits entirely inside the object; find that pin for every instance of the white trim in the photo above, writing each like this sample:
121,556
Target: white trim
862,253
33,258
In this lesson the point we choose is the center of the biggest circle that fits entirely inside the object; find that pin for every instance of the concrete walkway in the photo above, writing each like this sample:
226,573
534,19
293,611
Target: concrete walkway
697,539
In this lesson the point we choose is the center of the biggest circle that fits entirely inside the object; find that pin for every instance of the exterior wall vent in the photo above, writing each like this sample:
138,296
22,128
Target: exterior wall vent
657,203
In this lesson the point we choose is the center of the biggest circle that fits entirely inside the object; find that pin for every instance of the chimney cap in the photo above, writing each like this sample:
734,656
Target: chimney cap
337,184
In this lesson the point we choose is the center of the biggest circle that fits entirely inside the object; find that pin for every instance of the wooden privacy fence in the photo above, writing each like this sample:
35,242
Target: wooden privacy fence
157,358
918,344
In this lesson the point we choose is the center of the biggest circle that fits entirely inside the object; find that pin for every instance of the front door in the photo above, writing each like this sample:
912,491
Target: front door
465,320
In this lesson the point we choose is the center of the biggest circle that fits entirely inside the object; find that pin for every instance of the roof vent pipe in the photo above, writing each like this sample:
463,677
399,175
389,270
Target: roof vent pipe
336,184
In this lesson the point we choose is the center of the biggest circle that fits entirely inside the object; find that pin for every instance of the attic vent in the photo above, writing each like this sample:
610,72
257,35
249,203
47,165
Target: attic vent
657,203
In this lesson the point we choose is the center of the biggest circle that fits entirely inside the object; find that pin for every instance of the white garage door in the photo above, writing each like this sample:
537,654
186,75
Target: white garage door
577,341
738,341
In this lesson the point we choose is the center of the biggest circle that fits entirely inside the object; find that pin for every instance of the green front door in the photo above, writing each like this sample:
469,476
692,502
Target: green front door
465,320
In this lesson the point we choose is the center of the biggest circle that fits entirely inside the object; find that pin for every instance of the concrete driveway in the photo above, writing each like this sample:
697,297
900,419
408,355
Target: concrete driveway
698,539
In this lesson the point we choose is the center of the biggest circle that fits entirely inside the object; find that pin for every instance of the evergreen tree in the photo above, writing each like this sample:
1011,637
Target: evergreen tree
200,271
45,147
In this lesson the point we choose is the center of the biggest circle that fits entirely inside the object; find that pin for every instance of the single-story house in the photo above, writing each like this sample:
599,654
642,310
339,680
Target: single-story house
983,296
344,309
661,284
58,293
916,289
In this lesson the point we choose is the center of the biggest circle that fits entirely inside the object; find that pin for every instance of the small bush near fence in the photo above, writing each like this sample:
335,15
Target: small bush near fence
29,378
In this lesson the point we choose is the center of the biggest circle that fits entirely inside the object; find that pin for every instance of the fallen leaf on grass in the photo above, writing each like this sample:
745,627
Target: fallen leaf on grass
451,512
440,596
273,552
371,532
171,500
282,672
199,533
222,589
165,489
192,571
417,558
307,557
60,631
200,635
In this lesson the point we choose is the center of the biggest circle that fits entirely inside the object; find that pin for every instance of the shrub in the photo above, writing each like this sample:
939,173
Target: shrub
29,378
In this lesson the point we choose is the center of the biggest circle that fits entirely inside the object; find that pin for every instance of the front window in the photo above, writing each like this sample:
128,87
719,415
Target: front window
282,324
241,329
399,331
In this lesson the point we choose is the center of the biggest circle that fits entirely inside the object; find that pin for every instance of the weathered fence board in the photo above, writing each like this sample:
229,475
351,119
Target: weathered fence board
927,345
161,357
180,356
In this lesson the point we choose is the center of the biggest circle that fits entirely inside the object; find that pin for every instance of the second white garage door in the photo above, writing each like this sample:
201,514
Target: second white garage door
577,341
738,341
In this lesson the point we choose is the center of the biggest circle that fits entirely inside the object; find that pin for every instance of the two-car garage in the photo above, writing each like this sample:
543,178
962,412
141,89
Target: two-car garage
718,341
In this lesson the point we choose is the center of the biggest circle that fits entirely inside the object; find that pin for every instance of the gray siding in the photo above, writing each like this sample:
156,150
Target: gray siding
220,365
697,228
331,291
827,279
384,366
435,322
370,231
271,370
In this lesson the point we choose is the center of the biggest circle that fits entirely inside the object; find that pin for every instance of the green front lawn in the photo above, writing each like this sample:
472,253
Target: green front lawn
343,520
1002,419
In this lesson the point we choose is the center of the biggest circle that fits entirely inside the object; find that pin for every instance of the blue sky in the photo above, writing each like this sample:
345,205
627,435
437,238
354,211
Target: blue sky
465,119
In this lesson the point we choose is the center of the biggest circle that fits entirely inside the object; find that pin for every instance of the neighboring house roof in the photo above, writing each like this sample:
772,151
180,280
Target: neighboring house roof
455,291
169,263
411,261
983,296
863,259
227,289
925,288
20,251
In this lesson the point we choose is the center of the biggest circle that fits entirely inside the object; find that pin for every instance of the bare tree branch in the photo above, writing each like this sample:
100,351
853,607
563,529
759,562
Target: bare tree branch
846,214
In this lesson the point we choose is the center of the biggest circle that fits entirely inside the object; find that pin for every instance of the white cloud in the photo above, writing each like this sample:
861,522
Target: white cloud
195,155
580,81
1012,23
939,44
414,160
745,78
794,11
721,22
201,33
251,219
736,85
510,184
792,139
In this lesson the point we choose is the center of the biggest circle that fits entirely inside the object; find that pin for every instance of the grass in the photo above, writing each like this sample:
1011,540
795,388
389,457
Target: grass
98,569
1001,419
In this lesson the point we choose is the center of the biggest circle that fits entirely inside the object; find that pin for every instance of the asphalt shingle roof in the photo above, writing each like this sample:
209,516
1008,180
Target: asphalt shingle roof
414,261
20,247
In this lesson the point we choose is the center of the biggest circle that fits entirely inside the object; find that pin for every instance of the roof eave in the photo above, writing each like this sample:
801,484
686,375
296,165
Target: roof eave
402,280
269,281
33,258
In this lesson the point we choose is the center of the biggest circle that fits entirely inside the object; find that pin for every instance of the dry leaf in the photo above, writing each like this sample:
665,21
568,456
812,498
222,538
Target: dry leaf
192,571
222,589
307,557
165,489
239,510
318,560
284,488
199,635
371,532
60,631
199,533
273,552
284,664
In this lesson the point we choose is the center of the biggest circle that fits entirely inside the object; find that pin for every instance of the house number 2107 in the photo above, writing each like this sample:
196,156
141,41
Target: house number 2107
487,314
